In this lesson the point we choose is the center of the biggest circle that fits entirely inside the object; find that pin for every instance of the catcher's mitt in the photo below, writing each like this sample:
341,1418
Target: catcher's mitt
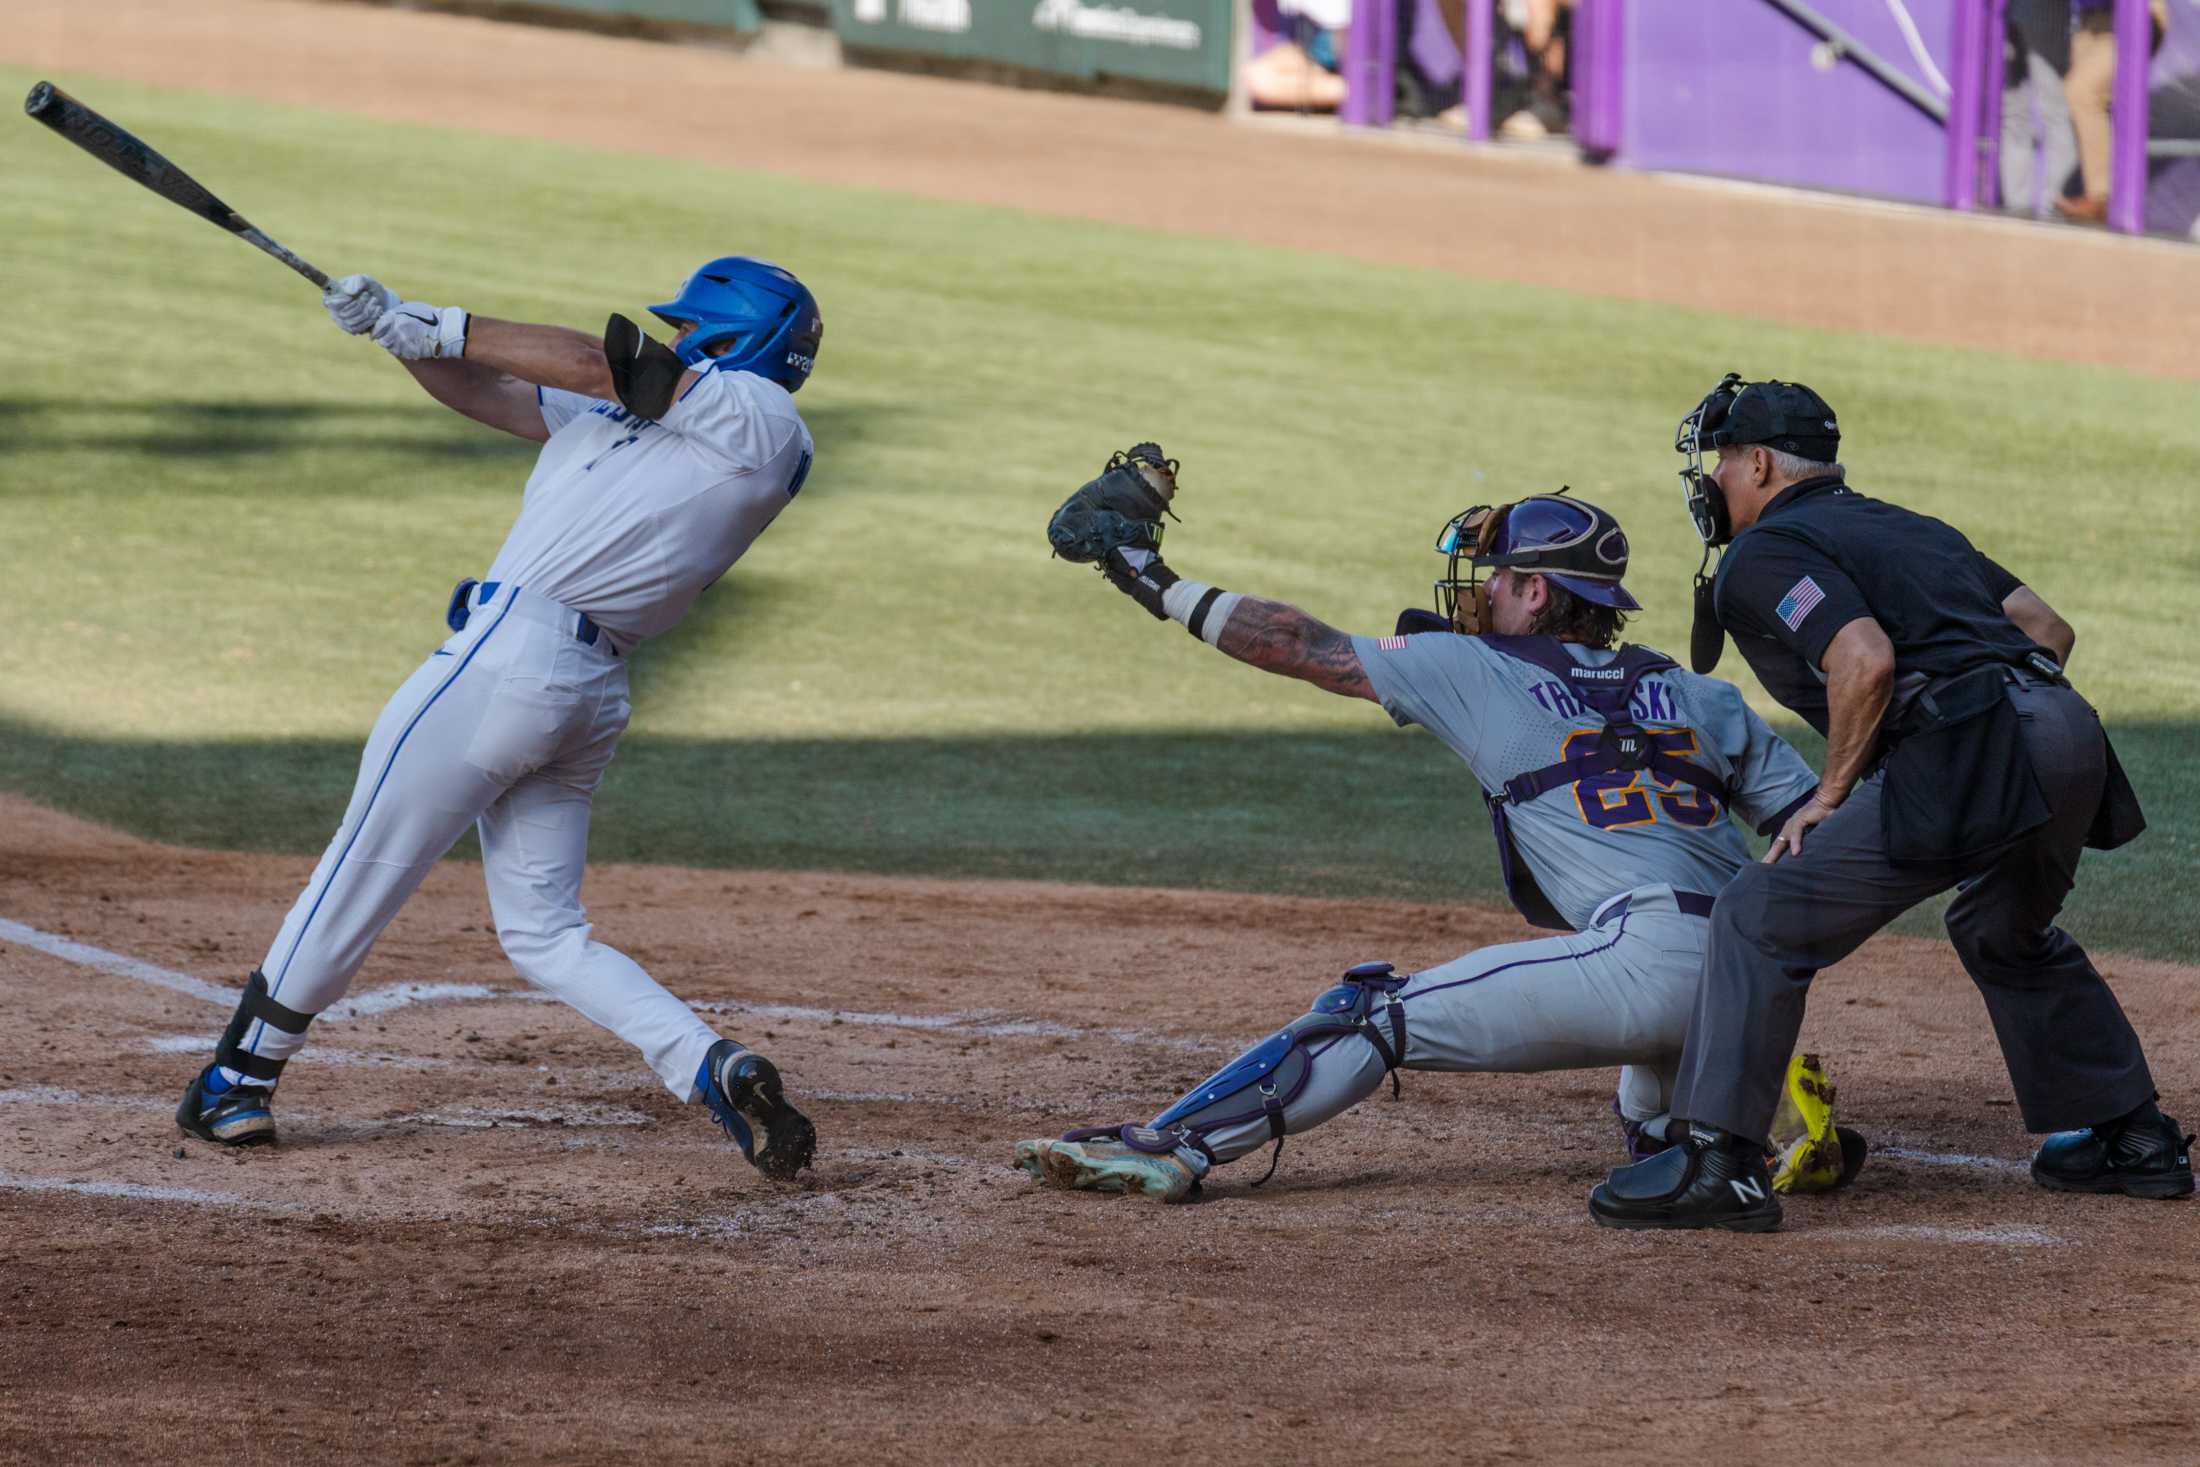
1120,510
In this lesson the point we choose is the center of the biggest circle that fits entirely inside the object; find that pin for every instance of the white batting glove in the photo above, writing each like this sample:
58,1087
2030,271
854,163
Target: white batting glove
414,331
356,302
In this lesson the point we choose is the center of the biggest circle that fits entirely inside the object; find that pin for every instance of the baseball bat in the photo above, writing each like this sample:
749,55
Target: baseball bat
126,153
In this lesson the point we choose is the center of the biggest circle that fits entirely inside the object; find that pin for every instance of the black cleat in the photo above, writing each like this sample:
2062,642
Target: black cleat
744,1093
1692,1185
239,1116
2146,1158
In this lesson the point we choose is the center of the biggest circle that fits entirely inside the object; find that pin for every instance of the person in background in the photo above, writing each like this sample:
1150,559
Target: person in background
1544,28
2035,118
2089,86
1301,73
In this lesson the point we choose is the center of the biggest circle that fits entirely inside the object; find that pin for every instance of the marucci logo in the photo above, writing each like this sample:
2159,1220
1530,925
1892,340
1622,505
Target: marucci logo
1115,23
923,15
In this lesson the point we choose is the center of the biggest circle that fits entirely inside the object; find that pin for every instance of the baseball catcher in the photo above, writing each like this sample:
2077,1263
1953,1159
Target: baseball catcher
1610,775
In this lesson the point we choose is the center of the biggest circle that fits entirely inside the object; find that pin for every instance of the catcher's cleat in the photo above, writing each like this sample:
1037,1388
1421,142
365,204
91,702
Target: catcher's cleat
235,1115
744,1093
2147,1156
1701,1183
1809,1153
1636,1136
1107,1166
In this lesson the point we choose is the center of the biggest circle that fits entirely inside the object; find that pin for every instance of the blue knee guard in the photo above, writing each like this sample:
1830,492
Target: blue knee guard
1262,1081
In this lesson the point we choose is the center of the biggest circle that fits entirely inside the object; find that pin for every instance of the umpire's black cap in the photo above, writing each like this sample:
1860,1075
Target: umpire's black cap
1784,415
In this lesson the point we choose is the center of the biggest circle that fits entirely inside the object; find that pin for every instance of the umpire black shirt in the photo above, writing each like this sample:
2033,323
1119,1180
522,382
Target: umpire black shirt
1821,555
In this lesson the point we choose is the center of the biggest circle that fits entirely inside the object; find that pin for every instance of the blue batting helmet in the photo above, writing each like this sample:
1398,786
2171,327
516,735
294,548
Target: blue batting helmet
769,317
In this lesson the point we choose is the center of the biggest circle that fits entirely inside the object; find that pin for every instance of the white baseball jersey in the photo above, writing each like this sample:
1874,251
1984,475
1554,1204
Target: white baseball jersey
629,519
510,724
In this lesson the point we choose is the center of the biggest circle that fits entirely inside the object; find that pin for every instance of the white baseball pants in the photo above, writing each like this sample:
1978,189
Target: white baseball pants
508,726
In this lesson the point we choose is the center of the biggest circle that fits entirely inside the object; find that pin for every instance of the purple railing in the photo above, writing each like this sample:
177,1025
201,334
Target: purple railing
2127,168
1970,138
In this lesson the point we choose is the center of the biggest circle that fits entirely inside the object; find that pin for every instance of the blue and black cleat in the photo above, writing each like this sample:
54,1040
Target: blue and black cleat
745,1095
232,1115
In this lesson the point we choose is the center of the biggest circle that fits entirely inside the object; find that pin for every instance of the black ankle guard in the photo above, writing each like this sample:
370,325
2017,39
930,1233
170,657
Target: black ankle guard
257,1005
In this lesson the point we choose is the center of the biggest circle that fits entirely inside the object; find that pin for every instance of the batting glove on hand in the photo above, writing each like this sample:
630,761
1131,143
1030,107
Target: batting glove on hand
356,302
414,331
1140,575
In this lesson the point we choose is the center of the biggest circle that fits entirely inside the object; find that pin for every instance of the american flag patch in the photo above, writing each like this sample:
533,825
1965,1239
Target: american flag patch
1390,644
1798,603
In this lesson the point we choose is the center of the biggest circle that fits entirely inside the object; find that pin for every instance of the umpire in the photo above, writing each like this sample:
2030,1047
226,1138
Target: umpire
1956,755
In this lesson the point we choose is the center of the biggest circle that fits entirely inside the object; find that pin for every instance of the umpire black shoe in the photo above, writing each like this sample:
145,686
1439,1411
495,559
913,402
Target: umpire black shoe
744,1093
237,1115
1697,1184
2143,1156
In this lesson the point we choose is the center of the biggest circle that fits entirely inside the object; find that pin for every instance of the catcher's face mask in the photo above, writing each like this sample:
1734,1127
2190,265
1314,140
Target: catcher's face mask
1466,542
1697,432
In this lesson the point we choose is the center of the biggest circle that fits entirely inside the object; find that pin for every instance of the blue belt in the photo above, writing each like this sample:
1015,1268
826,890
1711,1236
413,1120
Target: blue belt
1694,903
585,630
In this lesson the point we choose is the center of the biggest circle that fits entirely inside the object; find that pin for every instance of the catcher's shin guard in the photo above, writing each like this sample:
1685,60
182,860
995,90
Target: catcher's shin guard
1263,1083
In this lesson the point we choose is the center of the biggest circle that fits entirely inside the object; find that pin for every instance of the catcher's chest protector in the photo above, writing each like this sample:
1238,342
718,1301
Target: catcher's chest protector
1622,745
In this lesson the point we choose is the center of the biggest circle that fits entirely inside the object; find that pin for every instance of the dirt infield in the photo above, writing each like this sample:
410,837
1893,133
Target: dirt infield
488,1235
2055,293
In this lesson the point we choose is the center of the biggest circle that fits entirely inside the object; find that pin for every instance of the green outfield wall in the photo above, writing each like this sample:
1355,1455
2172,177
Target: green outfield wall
740,15
1180,43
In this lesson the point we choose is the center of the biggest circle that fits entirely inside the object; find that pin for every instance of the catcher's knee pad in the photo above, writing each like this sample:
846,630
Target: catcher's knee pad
257,1006
1262,1082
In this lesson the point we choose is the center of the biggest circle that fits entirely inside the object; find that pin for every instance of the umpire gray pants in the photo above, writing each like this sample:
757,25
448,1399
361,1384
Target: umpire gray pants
2072,1055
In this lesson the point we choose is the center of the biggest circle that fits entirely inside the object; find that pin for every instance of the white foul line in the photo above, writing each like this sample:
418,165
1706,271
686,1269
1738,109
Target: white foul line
93,957
360,1005
398,995
137,1190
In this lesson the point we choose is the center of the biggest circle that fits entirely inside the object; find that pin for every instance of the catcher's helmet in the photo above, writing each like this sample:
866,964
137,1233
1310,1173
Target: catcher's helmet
1784,415
1576,544
770,318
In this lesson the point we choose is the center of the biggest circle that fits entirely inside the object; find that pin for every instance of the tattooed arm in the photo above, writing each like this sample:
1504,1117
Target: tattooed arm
1269,635
1279,638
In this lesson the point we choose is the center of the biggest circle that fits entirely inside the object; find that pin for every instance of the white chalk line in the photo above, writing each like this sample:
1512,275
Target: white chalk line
2010,1236
397,995
86,956
461,1117
322,1054
1954,1158
387,999
978,1022
375,1001
138,1192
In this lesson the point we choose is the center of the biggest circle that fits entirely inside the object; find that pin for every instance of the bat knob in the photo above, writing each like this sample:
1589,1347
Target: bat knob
40,99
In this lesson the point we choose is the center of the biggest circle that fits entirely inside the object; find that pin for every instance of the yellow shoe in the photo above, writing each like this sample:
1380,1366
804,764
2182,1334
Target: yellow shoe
1809,1152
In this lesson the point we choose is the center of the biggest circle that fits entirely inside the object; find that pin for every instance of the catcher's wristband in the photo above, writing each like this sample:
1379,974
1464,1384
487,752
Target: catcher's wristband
1203,610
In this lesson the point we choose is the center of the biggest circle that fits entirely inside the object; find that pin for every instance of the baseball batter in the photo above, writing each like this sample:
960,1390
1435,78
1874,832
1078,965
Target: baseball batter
659,467
1610,775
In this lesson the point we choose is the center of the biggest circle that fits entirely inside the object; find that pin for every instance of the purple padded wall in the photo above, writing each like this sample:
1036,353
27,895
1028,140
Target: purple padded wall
2173,190
1729,87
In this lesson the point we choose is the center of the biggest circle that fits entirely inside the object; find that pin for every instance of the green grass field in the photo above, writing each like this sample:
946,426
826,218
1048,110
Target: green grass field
229,531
